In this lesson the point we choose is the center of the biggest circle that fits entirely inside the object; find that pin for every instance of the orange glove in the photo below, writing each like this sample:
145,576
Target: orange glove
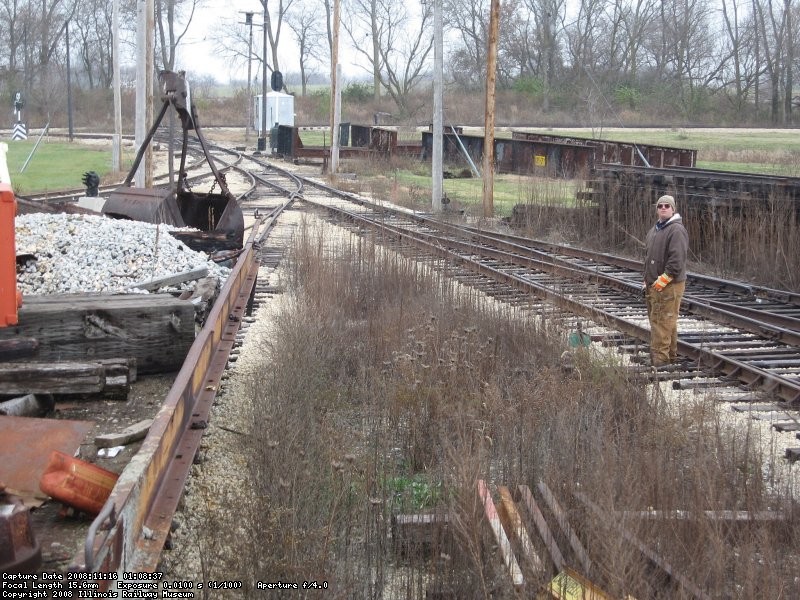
662,282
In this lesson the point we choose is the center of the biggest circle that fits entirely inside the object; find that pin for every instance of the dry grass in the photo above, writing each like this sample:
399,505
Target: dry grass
388,389
756,241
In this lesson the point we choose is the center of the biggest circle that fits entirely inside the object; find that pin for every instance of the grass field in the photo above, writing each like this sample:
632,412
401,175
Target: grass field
55,165
59,165
767,151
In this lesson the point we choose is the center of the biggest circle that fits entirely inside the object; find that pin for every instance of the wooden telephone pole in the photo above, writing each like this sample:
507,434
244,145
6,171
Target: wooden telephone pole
334,85
488,136
437,142
144,86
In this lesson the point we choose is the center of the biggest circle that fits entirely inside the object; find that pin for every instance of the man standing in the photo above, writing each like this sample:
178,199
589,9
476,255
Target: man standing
665,280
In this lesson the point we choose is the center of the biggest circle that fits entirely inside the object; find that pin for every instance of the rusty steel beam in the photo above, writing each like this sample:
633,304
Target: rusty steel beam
149,488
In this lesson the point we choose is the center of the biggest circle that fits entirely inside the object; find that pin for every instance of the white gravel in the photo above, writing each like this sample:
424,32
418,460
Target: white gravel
88,253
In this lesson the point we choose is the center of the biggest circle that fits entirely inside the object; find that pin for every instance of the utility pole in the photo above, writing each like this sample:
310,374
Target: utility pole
488,135
438,125
151,51
69,88
262,140
337,119
116,143
248,20
334,63
144,86
141,91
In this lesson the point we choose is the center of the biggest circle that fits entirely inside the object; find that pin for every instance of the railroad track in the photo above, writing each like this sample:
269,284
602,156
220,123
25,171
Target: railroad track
732,332
735,333
129,534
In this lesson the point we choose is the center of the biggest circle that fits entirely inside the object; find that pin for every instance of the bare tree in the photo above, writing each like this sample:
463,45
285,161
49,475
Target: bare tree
772,30
305,25
634,19
741,39
15,23
548,18
173,18
470,19
683,52
91,26
584,37
32,44
402,40
274,25
364,21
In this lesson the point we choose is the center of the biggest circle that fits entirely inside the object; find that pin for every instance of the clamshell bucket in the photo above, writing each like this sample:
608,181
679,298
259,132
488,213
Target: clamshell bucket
218,216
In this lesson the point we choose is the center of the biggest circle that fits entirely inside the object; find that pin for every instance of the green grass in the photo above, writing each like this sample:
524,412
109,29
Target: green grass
509,190
702,140
55,165
756,168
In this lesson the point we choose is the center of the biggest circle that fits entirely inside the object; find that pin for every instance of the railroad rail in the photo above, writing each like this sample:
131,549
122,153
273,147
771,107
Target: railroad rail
131,530
736,331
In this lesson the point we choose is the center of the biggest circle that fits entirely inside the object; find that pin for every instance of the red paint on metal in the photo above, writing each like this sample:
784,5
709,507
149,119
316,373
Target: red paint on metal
10,299
26,444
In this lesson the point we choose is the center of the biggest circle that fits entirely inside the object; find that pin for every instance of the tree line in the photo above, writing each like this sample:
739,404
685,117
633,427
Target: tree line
693,60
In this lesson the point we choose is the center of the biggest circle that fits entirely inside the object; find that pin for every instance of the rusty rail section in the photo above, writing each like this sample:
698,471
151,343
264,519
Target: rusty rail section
136,519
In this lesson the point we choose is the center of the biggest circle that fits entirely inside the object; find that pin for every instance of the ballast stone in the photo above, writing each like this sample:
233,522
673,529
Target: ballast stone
74,253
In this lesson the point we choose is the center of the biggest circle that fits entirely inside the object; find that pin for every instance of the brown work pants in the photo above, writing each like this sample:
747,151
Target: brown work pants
662,310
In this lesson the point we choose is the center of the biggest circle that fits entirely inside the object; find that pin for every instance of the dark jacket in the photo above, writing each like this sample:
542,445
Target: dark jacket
667,248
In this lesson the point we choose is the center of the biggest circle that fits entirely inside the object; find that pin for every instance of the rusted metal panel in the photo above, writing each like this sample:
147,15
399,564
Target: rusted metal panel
624,153
383,140
150,205
20,552
26,444
550,159
150,486
289,142
360,136
451,149
528,157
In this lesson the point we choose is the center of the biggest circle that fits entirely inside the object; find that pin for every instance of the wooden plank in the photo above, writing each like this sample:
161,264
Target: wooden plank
681,581
571,585
51,378
566,528
541,525
737,516
758,407
135,432
499,534
116,367
168,280
154,329
416,535
512,521
45,378
15,348
786,426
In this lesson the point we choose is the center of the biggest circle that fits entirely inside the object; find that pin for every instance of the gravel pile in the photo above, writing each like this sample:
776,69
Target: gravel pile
68,253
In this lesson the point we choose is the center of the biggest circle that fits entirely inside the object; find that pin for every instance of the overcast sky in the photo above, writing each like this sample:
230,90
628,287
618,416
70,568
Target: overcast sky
196,53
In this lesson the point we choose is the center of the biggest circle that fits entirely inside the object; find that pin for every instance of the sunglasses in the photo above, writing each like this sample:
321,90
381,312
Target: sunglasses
663,206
